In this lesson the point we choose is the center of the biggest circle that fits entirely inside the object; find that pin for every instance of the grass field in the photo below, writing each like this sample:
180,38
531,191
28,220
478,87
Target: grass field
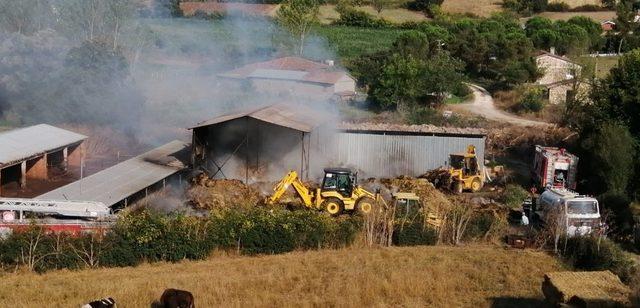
349,42
597,16
601,65
416,277
482,8
328,14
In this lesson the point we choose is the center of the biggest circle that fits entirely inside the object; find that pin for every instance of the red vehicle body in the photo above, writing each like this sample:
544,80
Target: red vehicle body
554,167
72,227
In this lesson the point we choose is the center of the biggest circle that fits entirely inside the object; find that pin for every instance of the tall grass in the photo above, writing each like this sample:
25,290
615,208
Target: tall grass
418,277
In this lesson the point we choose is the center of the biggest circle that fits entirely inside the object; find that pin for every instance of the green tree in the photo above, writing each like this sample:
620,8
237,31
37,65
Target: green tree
495,50
90,20
593,29
26,16
380,5
612,149
626,26
617,98
413,73
297,16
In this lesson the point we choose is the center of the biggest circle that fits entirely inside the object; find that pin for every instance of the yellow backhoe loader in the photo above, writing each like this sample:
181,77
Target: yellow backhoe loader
339,192
465,171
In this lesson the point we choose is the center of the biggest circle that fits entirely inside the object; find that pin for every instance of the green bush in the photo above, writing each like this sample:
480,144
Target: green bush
147,236
514,195
558,7
589,8
414,233
277,231
531,100
354,18
595,254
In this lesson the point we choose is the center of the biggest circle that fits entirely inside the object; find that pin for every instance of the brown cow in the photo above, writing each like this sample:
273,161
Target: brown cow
173,298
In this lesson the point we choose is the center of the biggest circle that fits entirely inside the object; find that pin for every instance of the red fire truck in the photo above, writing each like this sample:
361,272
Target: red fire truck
73,217
554,167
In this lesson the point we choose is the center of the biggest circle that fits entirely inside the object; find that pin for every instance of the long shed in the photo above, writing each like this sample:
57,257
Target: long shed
262,144
383,150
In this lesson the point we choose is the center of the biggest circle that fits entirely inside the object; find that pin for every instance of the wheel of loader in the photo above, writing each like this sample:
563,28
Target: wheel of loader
476,185
365,206
333,206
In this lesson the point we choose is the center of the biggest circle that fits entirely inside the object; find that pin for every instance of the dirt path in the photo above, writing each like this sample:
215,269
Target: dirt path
482,104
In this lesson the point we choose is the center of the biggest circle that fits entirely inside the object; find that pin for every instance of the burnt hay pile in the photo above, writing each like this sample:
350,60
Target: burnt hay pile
206,193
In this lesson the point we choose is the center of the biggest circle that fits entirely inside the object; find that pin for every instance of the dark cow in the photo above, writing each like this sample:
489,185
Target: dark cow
101,303
172,298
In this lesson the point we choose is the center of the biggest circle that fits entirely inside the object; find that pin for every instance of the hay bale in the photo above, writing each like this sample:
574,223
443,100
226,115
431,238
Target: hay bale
586,289
206,193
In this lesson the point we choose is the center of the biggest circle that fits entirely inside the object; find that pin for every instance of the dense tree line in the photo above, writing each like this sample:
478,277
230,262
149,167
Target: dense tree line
65,62
433,60
577,35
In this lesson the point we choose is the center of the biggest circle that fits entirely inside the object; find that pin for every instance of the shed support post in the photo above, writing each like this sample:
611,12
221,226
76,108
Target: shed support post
65,158
246,153
23,174
302,155
0,182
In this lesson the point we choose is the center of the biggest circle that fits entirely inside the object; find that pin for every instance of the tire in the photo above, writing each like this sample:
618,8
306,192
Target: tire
365,206
333,206
476,185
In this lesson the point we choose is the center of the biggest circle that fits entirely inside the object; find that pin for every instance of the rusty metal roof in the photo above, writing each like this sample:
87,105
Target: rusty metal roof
25,143
297,117
116,183
412,129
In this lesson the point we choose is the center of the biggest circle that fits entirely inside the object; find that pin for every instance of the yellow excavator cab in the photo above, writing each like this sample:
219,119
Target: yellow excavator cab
465,171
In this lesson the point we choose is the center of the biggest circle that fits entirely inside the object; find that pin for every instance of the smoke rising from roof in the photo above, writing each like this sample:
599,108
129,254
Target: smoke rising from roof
102,63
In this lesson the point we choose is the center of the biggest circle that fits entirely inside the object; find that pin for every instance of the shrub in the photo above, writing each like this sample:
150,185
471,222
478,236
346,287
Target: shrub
558,7
514,195
589,8
277,231
414,233
595,254
354,18
148,236
531,100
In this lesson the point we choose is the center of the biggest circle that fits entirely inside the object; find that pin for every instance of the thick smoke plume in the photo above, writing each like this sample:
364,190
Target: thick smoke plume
119,63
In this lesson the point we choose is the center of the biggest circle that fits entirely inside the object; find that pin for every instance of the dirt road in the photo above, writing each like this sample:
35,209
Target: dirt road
482,104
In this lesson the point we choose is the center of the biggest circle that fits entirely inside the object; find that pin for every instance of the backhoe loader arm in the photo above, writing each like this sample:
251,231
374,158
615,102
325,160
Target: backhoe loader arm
291,179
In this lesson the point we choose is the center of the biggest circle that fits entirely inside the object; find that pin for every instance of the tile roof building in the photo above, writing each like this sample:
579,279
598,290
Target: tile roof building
298,77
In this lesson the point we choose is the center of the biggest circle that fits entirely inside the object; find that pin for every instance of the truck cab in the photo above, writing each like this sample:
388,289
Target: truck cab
578,215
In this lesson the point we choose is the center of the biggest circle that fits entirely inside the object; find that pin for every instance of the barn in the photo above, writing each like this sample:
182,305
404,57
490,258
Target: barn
262,144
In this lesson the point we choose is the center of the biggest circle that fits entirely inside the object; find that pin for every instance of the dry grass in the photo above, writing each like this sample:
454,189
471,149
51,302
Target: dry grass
597,16
328,14
575,3
483,8
416,277
601,65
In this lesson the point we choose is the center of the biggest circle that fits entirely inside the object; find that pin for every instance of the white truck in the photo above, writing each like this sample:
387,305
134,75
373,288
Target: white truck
575,214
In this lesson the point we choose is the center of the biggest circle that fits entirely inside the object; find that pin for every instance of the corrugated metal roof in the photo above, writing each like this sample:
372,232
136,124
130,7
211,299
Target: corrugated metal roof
292,116
285,67
278,74
114,184
24,143
413,129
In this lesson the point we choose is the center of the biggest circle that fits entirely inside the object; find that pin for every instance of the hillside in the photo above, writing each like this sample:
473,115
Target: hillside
420,276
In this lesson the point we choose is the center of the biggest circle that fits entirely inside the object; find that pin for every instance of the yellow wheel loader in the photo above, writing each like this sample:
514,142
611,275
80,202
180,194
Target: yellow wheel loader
339,192
465,172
